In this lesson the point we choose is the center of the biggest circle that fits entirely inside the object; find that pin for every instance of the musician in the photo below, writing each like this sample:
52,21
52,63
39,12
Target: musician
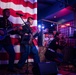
5,43
27,44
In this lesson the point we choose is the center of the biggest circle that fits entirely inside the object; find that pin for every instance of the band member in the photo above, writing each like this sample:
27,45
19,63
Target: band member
5,40
27,44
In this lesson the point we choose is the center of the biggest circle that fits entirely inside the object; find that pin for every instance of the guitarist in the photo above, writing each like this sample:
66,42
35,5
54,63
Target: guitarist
27,44
5,24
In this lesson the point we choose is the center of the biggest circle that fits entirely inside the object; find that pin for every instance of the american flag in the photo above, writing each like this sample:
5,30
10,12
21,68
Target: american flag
26,7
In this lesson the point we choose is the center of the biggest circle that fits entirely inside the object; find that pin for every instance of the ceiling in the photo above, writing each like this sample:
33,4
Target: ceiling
56,10
45,3
43,6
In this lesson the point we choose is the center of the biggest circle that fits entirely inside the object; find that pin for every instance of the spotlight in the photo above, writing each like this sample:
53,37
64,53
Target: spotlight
51,25
42,27
39,26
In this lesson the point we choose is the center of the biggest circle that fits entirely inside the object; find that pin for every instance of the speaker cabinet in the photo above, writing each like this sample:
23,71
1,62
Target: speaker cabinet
45,68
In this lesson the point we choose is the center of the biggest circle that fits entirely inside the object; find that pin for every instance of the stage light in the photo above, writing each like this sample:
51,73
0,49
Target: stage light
68,24
51,25
63,26
39,26
54,16
42,27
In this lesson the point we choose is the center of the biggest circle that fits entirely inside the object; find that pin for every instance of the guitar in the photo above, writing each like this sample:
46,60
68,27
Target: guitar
32,38
6,32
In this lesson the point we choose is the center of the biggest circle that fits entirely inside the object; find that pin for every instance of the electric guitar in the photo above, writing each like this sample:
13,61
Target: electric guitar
6,32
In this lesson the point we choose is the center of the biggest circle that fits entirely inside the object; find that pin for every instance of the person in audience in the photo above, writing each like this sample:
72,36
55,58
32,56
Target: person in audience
51,52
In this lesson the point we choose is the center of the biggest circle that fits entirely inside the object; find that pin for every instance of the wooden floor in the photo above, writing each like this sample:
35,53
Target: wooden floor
62,70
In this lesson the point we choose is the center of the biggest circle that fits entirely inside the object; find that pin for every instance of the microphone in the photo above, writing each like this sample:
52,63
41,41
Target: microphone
19,14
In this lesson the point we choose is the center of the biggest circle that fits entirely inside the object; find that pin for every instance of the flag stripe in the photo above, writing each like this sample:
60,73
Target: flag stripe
25,15
18,7
17,20
25,4
15,41
4,56
16,61
16,48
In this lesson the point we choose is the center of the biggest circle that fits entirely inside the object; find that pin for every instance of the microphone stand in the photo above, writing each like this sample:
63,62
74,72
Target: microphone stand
22,19
27,71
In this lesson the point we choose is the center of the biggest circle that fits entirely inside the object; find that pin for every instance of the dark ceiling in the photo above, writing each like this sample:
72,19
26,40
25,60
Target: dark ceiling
45,3
43,6
56,10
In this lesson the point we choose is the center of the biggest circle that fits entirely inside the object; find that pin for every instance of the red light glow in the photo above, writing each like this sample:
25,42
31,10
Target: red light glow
68,24
63,26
